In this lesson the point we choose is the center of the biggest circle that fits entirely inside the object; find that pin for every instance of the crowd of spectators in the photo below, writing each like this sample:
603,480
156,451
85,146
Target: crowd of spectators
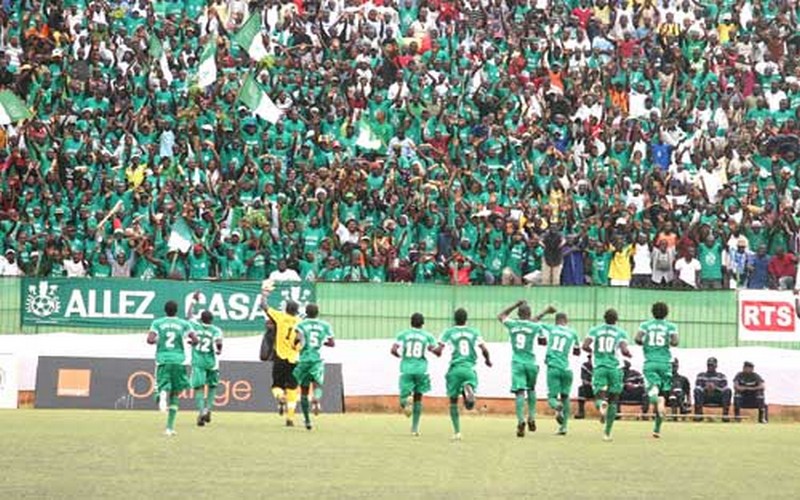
575,142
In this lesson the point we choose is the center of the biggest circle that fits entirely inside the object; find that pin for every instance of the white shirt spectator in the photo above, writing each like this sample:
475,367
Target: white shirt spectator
287,275
687,271
9,269
774,99
346,236
642,259
75,269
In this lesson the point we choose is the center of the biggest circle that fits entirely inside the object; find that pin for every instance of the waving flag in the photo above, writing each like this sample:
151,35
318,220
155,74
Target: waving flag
252,96
249,38
207,72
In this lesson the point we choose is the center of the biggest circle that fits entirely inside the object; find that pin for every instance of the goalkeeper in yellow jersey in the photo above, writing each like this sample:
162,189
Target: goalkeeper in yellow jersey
287,351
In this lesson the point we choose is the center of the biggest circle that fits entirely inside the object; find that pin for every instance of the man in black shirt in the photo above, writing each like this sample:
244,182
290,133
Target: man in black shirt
633,390
749,392
585,389
711,387
680,396
553,259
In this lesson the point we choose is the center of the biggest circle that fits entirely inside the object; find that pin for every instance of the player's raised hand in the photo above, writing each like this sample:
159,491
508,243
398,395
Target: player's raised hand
550,309
196,295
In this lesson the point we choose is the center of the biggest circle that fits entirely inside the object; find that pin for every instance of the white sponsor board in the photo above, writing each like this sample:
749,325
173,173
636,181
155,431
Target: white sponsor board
8,381
369,370
768,316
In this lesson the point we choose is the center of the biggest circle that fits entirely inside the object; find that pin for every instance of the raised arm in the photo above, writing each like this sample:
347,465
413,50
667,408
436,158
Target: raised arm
550,309
195,298
504,314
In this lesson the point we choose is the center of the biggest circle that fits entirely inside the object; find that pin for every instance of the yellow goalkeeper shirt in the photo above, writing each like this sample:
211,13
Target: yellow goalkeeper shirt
285,334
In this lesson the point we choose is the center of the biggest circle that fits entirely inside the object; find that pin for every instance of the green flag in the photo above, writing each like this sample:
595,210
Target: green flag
249,38
254,97
12,108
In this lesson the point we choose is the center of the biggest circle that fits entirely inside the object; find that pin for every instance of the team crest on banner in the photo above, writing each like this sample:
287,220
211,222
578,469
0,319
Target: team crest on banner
42,299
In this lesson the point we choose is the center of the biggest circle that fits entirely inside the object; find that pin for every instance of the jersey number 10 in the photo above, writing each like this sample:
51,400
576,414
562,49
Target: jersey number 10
606,344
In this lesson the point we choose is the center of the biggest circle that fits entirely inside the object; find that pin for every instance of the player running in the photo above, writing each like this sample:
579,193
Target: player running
603,341
410,346
312,334
656,336
560,340
461,378
205,364
284,385
524,371
168,334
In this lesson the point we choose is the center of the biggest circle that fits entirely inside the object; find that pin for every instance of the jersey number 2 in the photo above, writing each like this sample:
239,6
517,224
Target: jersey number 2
170,342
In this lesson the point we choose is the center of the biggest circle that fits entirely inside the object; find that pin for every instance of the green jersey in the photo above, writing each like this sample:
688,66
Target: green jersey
204,353
606,339
523,335
464,341
169,345
315,333
656,340
560,342
413,344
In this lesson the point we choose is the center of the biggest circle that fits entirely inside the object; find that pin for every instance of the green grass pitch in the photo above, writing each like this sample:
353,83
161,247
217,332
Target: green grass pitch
91,454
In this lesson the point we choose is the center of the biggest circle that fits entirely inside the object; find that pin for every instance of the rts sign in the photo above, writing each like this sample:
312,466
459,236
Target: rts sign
767,316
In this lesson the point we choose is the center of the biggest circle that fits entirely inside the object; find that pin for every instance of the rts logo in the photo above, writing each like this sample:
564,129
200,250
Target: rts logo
768,315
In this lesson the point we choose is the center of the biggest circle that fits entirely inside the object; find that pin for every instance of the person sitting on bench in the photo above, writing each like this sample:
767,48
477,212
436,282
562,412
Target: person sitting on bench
711,389
749,392
680,396
585,391
633,392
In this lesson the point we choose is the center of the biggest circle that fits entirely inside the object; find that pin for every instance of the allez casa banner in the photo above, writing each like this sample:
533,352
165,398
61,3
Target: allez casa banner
768,316
132,303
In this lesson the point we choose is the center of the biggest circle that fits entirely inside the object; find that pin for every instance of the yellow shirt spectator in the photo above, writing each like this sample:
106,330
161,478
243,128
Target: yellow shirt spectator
620,269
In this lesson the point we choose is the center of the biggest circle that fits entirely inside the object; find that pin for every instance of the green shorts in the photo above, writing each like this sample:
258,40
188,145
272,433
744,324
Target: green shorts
171,377
202,377
658,377
307,373
459,376
559,381
607,379
523,376
414,383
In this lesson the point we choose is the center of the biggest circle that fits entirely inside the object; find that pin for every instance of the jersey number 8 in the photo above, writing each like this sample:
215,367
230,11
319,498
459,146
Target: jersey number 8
463,347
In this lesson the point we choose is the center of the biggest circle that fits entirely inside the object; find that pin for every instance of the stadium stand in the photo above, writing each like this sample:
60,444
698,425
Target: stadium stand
411,140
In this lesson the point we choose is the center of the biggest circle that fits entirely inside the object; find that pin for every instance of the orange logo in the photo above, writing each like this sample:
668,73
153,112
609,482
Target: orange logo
74,382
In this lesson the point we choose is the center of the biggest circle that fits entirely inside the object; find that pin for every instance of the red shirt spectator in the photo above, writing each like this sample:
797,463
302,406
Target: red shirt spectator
782,265
583,16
